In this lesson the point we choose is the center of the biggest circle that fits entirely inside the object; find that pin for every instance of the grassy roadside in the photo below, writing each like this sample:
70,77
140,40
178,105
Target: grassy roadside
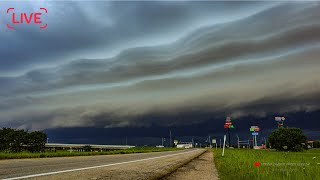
23,155
267,164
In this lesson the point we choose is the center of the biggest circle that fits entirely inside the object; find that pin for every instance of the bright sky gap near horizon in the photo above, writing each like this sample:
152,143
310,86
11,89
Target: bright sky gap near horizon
112,64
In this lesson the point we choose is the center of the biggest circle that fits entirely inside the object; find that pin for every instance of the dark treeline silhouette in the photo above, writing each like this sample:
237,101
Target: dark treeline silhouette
17,140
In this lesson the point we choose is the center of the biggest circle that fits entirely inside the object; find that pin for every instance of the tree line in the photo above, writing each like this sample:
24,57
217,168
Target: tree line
290,139
17,140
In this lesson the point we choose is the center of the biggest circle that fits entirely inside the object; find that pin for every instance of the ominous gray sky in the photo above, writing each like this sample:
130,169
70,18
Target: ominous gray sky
113,64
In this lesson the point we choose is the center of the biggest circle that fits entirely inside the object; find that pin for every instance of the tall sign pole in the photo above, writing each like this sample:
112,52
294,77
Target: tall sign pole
255,139
227,125
238,142
229,137
280,121
255,131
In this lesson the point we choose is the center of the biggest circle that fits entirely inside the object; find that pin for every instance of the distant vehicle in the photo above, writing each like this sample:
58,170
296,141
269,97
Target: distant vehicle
160,146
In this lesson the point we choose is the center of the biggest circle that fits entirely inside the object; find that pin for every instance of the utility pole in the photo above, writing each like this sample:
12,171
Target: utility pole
170,139
192,141
162,141
126,140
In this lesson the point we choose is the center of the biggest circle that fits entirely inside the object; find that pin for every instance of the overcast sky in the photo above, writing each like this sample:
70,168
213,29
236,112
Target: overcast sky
137,64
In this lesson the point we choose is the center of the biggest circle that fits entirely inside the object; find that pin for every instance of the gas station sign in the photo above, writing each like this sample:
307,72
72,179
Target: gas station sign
280,121
254,128
228,124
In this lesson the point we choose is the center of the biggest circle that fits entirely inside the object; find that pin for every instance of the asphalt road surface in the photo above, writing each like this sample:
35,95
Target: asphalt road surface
126,166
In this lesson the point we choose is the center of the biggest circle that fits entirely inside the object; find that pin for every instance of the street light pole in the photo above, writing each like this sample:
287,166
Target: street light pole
170,139
192,141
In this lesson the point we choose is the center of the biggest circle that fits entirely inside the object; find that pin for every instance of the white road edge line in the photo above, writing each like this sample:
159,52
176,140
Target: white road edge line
94,167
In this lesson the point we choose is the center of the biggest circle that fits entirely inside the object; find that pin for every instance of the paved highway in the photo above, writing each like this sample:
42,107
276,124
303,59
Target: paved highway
125,166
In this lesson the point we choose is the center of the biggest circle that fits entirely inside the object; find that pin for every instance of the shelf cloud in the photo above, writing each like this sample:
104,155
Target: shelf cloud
137,64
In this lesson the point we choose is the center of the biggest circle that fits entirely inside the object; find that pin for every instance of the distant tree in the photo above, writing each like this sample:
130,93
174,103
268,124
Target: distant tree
287,139
6,138
16,140
36,141
87,148
316,144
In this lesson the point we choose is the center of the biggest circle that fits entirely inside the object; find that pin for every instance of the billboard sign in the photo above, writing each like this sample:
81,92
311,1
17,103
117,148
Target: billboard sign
254,128
255,134
280,118
228,123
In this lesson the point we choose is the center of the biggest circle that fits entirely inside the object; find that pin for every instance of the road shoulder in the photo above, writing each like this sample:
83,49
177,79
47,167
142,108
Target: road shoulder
201,168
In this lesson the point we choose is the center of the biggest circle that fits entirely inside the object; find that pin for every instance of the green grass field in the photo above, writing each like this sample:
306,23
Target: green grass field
241,164
61,153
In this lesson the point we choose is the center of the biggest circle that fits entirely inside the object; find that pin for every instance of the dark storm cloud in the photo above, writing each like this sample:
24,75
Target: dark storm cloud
143,63
100,29
178,64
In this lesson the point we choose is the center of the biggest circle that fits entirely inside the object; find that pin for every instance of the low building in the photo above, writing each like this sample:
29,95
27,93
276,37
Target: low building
185,145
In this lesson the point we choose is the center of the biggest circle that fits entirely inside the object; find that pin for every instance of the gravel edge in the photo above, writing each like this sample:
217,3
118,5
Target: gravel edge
183,164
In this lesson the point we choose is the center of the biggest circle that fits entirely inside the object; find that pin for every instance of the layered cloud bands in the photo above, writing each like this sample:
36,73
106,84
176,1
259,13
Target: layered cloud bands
178,63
